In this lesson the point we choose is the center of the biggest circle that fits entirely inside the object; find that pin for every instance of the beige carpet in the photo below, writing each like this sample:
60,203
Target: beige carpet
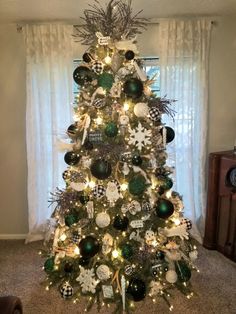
20,275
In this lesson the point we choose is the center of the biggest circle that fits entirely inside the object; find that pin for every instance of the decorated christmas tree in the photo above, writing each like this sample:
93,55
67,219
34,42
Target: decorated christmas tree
120,234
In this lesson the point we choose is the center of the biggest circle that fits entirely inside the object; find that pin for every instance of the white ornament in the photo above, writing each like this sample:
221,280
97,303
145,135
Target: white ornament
171,276
137,224
150,236
78,186
124,120
103,220
141,110
173,255
90,209
123,284
102,40
107,292
103,272
125,169
112,191
107,243
127,44
177,231
156,287
193,255
86,162
87,280
115,90
140,136
136,236
141,73
134,207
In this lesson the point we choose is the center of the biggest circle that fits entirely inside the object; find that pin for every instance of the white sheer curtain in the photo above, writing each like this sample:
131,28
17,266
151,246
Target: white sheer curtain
48,113
184,53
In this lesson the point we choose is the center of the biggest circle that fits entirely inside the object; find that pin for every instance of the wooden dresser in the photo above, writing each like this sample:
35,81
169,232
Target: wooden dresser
220,229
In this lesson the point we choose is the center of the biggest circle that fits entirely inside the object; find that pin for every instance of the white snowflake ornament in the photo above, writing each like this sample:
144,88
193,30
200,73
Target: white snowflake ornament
87,280
140,137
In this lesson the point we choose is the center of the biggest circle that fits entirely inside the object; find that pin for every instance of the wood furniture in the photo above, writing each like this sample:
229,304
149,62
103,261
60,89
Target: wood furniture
220,228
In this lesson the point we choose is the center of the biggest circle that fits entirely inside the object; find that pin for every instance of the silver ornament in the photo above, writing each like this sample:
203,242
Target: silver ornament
103,272
141,110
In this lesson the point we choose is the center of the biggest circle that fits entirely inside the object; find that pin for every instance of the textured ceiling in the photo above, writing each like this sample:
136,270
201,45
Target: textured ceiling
71,10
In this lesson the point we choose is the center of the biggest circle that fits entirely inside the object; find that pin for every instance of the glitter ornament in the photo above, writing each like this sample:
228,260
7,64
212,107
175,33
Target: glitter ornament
137,185
105,80
111,129
103,272
101,169
141,110
127,251
133,88
71,219
72,158
136,289
103,220
49,265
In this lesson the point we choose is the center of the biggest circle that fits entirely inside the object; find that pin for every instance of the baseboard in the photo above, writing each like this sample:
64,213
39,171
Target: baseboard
13,236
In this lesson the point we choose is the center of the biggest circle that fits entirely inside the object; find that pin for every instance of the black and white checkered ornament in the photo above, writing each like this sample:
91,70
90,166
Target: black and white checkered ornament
66,290
154,114
97,67
76,237
99,103
117,185
187,222
99,191
146,206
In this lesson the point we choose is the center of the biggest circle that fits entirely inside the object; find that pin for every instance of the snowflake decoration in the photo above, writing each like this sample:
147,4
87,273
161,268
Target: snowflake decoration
87,280
140,136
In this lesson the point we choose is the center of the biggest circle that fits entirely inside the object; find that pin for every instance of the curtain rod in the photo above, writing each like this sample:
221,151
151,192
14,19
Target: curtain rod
20,26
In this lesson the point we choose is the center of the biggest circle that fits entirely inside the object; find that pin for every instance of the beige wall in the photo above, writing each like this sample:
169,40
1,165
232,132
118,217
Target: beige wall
13,200
13,203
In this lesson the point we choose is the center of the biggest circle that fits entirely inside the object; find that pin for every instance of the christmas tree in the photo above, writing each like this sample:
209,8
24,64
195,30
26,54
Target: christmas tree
120,234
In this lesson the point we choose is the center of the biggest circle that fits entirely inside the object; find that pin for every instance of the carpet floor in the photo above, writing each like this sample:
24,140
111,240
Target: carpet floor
21,274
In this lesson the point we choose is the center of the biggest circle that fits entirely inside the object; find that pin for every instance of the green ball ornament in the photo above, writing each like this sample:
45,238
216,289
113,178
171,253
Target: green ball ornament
49,265
137,160
71,219
127,251
137,185
101,169
166,183
136,289
133,88
164,208
89,247
105,80
183,271
111,129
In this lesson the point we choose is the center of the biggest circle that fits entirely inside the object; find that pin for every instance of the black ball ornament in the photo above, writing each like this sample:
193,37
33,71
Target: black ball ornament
137,160
83,75
129,55
111,129
84,261
164,208
133,88
88,145
137,289
170,134
72,158
83,199
183,271
121,223
101,169
72,130
66,175
165,182
68,267
89,247
137,185
160,255
87,57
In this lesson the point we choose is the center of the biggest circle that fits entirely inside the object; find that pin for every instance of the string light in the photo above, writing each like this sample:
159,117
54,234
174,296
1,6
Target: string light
63,237
107,59
126,106
115,253
124,186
